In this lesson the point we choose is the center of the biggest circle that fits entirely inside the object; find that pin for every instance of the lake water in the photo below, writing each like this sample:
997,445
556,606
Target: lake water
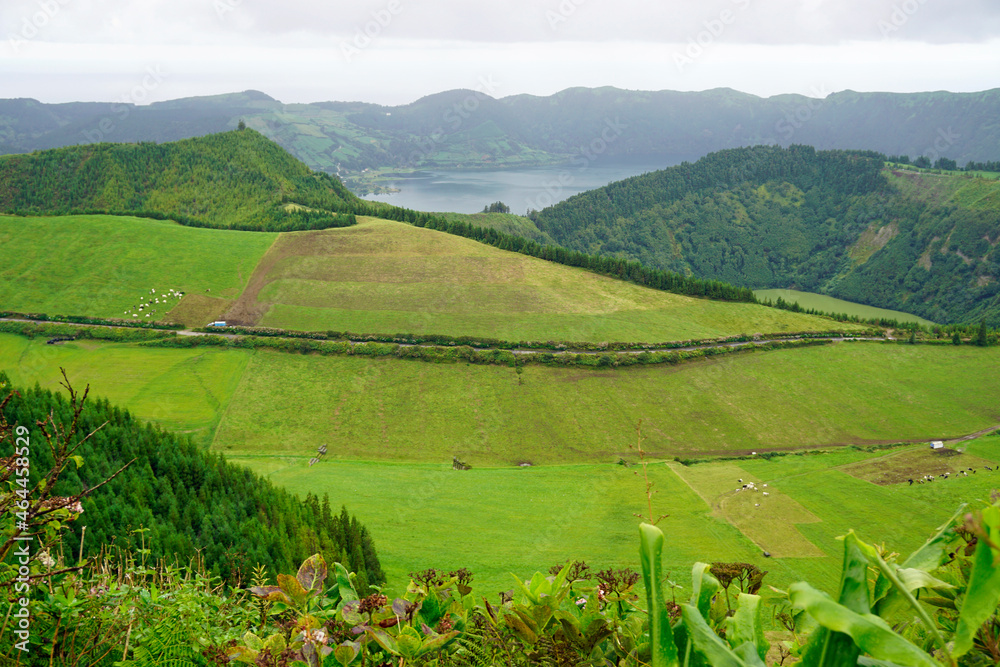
521,189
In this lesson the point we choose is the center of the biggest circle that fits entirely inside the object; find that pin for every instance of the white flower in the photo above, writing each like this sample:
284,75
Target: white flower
46,559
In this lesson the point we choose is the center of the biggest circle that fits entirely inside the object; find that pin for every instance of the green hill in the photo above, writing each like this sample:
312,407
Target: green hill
378,276
832,222
238,180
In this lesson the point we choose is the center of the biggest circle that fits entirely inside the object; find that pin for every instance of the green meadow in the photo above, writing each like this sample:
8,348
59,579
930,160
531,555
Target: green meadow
829,304
388,277
182,390
392,427
392,410
101,265
498,521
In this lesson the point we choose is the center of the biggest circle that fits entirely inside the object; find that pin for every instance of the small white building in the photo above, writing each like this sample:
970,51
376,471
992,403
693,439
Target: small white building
937,444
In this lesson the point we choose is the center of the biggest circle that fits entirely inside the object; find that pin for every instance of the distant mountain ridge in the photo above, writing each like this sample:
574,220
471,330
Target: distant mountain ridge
471,129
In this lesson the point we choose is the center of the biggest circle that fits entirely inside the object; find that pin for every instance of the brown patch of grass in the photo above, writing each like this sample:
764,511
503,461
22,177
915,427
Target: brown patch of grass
914,463
872,240
196,310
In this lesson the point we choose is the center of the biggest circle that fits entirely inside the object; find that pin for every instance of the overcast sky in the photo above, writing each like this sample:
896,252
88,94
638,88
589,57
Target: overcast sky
396,51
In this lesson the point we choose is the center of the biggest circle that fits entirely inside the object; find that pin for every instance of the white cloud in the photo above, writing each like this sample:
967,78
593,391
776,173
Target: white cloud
393,51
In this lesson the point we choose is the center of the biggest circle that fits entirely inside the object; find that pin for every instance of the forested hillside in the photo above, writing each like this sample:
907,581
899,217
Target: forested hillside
175,499
835,222
236,180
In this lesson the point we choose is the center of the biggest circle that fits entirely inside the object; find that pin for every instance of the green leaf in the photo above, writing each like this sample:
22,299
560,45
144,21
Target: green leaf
384,639
870,633
275,644
744,626
890,573
707,643
436,643
982,596
344,585
664,649
703,587
346,653
253,642
78,460
312,573
408,642
293,589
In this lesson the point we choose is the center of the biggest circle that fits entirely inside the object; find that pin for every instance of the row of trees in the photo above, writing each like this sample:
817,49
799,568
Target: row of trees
945,164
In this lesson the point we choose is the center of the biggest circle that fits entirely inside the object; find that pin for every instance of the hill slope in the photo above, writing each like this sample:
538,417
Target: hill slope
186,498
236,179
833,222
466,128
379,276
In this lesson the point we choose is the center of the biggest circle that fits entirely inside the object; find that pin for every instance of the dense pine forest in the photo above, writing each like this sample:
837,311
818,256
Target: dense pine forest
234,180
176,500
835,222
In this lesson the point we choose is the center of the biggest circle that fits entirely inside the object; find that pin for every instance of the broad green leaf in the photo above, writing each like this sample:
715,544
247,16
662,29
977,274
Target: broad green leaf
664,650
346,653
982,597
521,628
708,643
408,643
344,584
384,639
747,652
312,573
253,642
934,553
436,642
275,644
870,633
703,587
744,626
928,558
293,589
890,573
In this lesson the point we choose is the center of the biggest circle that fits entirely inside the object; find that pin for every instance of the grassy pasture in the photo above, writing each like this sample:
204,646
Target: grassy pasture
497,521
829,304
101,265
182,390
393,410
388,277
394,425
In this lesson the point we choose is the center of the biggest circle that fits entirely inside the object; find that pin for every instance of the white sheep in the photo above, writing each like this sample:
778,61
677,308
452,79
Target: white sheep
766,493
